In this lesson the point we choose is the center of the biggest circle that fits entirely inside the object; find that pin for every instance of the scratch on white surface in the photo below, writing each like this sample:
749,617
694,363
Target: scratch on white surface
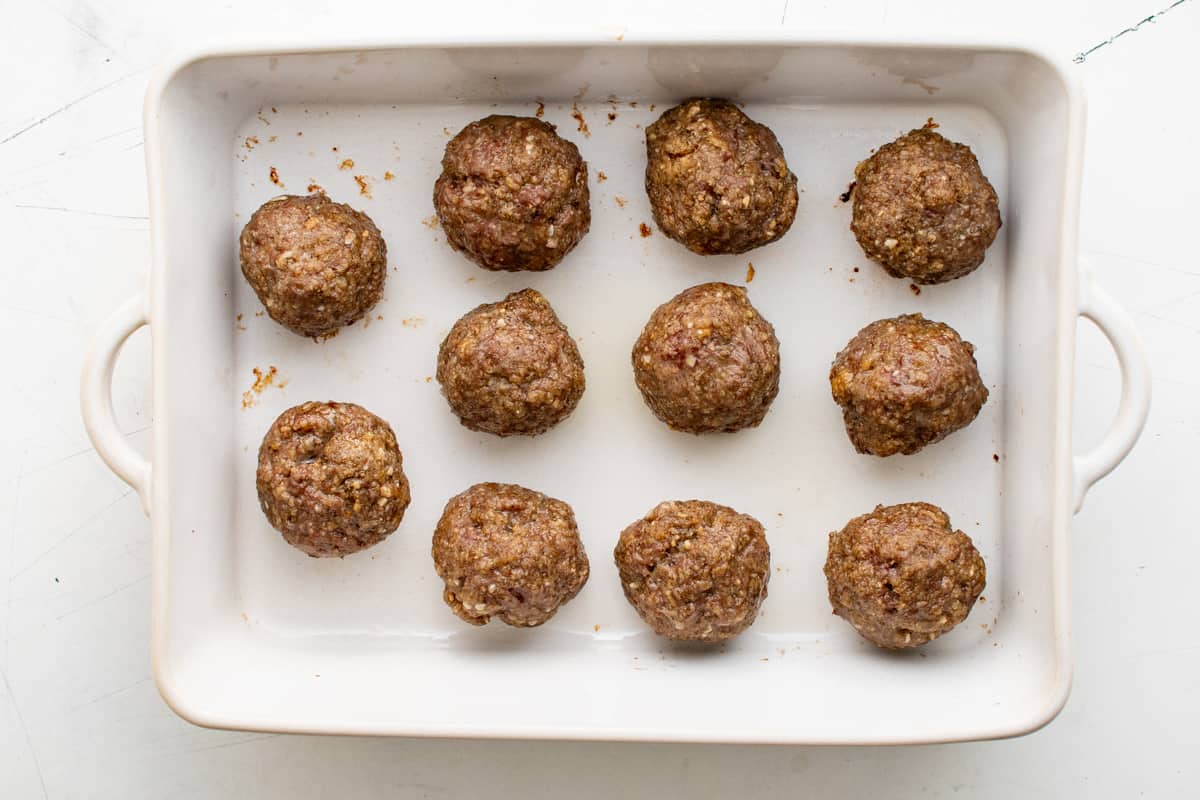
30,312
102,597
12,698
89,34
235,743
783,17
81,211
113,693
63,108
1082,56
91,518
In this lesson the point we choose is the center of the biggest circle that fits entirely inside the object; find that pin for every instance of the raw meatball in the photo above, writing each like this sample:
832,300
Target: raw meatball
904,383
695,570
707,361
508,552
315,264
901,575
923,209
331,478
513,194
511,367
717,180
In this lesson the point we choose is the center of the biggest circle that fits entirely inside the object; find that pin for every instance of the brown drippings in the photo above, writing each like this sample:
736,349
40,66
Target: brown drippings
930,124
316,187
644,229
272,138
749,271
346,164
846,195
364,188
612,115
620,201
388,176
996,458
914,289
262,380
578,115
275,178
601,177
412,322
250,142
431,222
541,110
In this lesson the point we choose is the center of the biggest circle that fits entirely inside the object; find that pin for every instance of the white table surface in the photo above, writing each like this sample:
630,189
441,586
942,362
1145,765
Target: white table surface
79,714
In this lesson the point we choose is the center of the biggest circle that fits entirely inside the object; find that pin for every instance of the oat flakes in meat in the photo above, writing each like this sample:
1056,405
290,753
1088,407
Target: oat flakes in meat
923,209
902,576
707,361
331,478
717,180
511,368
508,552
513,194
694,570
904,383
316,265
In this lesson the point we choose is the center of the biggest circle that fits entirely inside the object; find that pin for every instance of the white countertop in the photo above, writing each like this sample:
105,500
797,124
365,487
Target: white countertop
79,714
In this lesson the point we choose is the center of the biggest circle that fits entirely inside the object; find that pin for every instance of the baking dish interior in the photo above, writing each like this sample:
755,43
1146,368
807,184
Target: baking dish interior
249,633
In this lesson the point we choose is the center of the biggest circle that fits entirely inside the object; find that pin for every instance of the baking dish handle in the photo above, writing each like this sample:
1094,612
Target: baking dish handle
95,397
1118,327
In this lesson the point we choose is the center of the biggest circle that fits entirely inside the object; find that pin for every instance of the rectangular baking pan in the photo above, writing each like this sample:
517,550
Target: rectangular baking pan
249,633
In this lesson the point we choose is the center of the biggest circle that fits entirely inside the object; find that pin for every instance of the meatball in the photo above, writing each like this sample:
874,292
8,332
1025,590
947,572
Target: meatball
511,367
331,478
508,552
513,194
717,180
707,361
315,264
904,383
923,209
901,575
695,570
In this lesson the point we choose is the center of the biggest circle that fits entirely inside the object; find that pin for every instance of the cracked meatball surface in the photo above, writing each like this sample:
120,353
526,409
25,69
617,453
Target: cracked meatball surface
513,194
717,180
695,570
902,576
316,265
904,383
331,478
923,209
707,361
511,368
508,552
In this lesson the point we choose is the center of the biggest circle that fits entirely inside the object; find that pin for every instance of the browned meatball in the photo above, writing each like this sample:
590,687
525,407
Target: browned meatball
923,209
513,194
511,367
717,180
508,552
904,383
695,570
315,264
901,575
707,361
331,478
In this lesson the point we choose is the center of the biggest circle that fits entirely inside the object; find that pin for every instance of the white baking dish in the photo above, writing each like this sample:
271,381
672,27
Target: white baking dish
249,633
